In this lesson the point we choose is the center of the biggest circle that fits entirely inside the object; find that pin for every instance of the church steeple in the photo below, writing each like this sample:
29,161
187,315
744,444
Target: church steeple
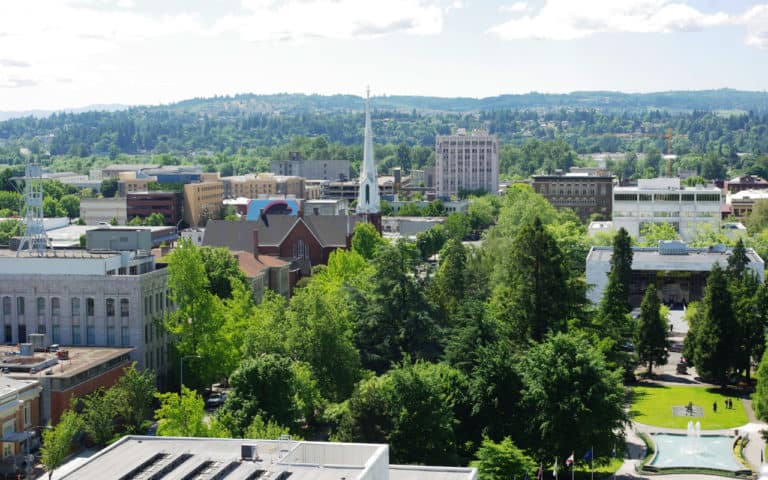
368,200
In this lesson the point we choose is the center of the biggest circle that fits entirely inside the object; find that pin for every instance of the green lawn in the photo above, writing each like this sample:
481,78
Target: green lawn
653,406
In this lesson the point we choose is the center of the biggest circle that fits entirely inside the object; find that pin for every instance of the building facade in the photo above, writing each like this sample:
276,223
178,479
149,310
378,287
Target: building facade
103,210
95,297
663,200
19,414
202,202
678,272
585,194
263,184
331,170
744,201
467,162
144,204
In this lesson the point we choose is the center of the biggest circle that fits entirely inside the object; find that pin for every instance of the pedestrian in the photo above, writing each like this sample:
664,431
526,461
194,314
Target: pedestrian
714,406
670,327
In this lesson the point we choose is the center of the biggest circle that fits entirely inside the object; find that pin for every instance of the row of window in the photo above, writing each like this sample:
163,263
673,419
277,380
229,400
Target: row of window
667,197
90,306
77,339
663,214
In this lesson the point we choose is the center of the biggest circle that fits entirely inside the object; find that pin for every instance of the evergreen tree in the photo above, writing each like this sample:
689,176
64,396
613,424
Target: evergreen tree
621,262
760,397
536,298
715,351
738,261
651,334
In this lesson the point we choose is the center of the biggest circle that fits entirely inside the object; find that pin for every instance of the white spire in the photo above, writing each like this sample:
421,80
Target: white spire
368,198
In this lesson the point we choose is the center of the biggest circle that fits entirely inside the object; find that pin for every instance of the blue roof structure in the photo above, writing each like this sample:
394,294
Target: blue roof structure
272,207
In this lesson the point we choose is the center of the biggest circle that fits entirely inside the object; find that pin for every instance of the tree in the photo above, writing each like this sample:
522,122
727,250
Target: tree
221,268
567,388
653,232
109,187
113,221
71,204
198,318
760,397
136,222
502,461
531,287
184,416
155,219
265,430
715,351
57,442
448,284
395,317
457,225
431,241
757,221
621,260
365,240
52,208
651,334
98,416
410,408
133,395
737,261
264,386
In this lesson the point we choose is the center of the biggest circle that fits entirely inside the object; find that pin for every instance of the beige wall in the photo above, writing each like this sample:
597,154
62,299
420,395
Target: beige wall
202,201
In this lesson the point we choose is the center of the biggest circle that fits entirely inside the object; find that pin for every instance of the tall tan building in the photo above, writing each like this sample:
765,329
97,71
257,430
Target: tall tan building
467,162
203,200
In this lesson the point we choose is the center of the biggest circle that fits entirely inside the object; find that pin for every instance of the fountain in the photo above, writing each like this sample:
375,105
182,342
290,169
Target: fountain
693,436
694,450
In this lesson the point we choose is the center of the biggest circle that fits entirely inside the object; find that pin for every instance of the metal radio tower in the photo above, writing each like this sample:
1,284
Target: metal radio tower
35,241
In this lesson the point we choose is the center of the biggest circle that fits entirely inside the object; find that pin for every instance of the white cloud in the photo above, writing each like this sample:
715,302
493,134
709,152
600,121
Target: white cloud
756,21
516,7
126,3
300,19
568,20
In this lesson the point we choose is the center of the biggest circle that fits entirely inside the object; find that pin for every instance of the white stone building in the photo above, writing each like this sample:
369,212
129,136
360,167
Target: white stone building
106,297
663,200
467,162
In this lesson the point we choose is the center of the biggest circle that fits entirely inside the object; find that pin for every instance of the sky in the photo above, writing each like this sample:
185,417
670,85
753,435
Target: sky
57,54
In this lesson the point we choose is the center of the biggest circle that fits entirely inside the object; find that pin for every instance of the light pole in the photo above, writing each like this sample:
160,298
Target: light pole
181,371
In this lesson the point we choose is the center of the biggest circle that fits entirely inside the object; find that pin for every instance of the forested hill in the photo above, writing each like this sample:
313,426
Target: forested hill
724,121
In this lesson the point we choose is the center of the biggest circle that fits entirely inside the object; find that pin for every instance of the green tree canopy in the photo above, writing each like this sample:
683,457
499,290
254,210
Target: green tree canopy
651,334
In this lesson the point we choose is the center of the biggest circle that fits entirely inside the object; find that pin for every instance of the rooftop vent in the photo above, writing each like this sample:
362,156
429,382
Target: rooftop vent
248,452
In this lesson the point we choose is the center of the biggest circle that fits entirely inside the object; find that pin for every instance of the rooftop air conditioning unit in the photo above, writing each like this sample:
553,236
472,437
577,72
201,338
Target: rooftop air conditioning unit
248,452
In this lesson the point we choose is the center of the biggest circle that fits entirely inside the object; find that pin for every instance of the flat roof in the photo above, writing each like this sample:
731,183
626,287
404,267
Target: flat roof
80,359
648,258
69,254
179,457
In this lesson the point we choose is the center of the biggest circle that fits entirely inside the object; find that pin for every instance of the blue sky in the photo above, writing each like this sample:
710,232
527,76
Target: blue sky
71,53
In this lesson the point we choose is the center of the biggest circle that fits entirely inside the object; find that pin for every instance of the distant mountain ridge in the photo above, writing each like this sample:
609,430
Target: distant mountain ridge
295,103
110,107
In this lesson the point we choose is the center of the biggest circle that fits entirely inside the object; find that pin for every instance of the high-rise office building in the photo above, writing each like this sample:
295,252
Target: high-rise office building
467,162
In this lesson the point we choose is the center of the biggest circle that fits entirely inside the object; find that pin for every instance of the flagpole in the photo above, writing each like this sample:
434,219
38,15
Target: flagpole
592,463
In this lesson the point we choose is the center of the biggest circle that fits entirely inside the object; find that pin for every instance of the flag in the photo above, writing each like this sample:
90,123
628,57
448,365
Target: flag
525,477
613,452
540,473
554,469
587,456
569,460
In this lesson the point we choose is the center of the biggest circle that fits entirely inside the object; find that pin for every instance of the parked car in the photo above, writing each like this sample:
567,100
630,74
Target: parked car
216,400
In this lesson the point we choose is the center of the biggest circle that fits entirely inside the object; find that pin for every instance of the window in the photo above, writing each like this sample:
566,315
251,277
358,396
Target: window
125,337
27,414
110,304
124,311
300,249
41,328
90,307
76,339
55,307
6,306
90,334
75,307
110,335
8,334
40,306
55,334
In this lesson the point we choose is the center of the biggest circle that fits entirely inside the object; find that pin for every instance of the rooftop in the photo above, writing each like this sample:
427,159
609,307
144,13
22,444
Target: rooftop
174,458
695,259
749,195
49,365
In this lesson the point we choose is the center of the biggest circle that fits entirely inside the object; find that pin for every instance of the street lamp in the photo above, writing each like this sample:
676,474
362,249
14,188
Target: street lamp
181,371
